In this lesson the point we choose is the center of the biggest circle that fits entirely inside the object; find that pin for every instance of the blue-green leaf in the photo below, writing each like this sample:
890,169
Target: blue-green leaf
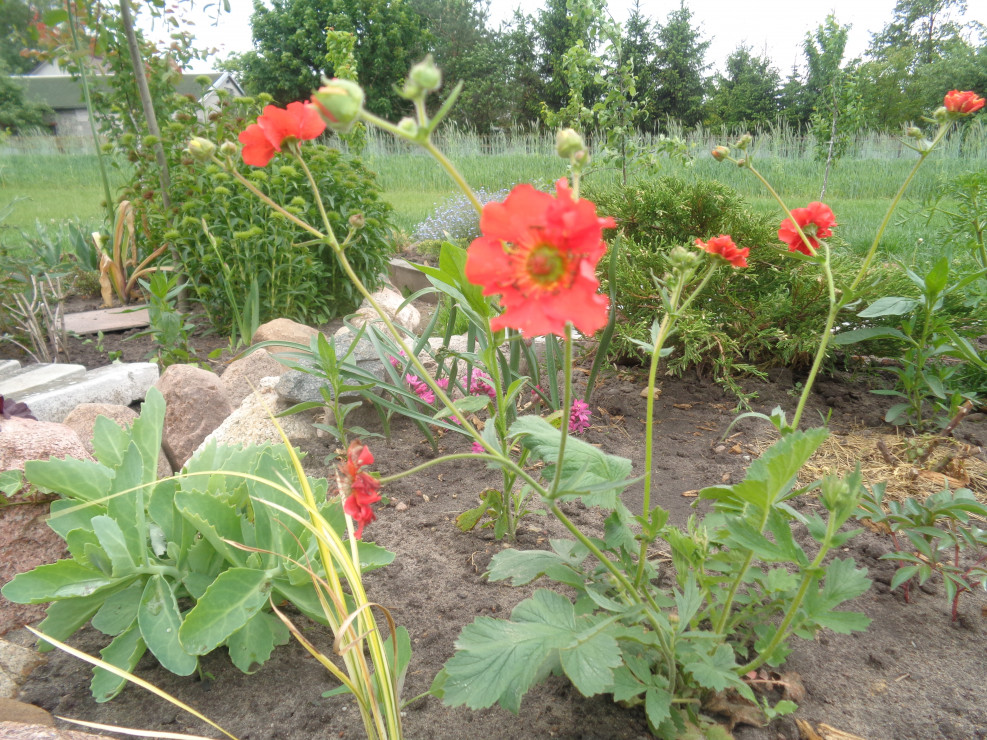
252,644
232,599
124,652
159,621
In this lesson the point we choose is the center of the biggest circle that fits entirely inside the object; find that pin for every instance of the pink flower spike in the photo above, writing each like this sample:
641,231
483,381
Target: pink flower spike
478,449
579,417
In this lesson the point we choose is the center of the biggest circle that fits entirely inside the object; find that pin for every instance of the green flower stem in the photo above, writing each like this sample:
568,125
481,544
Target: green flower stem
721,623
923,154
808,578
329,233
672,315
827,333
566,409
429,463
270,203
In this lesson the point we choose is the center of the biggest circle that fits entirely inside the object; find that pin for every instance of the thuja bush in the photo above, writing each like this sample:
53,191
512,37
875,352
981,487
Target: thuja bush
770,314
228,241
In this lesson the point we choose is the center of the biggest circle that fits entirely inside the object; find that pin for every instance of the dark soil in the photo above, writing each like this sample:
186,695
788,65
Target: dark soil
913,675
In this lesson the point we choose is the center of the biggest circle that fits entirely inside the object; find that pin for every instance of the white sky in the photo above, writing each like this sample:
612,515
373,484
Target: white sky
775,26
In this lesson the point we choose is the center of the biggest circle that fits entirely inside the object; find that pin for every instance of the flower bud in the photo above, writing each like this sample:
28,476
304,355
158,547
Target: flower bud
741,162
720,153
941,114
201,149
682,259
743,141
913,132
228,149
357,221
426,75
408,126
568,143
340,102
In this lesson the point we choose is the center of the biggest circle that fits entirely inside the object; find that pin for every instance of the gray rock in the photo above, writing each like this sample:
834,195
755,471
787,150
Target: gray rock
298,387
120,383
36,378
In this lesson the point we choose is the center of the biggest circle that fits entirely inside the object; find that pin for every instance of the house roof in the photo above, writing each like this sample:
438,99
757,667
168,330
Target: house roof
61,92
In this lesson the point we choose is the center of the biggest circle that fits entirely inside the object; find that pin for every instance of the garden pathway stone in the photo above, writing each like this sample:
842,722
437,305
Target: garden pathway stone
107,319
34,378
7,367
120,383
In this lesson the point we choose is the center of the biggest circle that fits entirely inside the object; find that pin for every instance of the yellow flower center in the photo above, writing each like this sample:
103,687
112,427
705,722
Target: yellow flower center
545,265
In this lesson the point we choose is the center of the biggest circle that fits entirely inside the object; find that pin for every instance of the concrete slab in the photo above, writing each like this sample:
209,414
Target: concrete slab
8,366
107,319
121,383
28,379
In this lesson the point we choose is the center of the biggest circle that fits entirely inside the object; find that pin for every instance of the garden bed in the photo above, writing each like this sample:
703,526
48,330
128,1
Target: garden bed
913,675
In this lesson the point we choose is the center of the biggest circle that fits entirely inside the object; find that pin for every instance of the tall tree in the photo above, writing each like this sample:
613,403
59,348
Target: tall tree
924,27
290,48
526,86
560,26
16,37
639,49
747,94
680,62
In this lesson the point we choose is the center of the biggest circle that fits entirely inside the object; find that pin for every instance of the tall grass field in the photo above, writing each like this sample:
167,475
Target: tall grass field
46,179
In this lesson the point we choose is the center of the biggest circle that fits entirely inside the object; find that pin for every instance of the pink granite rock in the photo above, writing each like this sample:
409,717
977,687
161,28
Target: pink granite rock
196,404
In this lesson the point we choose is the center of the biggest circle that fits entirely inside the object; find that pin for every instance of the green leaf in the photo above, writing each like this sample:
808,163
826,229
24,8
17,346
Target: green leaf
215,520
80,479
889,306
63,579
232,599
584,466
589,660
714,671
146,433
657,705
625,685
67,515
124,652
466,405
119,610
252,644
497,661
110,441
524,566
112,540
862,335
159,621
64,617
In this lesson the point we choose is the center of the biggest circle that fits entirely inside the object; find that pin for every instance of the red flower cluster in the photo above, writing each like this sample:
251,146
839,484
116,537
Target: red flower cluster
816,221
722,246
539,253
360,489
964,103
276,127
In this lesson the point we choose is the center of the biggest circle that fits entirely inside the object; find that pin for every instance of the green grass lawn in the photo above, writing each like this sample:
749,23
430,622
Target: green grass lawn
48,187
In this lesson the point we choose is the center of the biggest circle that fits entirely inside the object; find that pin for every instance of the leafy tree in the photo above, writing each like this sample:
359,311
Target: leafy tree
16,113
748,92
526,86
926,28
288,59
794,103
466,50
680,63
639,50
16,19
562,25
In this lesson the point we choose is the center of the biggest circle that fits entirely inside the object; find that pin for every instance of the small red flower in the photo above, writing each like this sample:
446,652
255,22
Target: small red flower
817,222
722,246
539,253
964,103
360,489
275,127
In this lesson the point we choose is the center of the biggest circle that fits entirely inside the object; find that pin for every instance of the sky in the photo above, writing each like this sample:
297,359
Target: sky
775,27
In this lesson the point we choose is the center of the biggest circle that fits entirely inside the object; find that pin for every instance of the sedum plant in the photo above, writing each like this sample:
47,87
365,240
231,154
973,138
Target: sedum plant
185,565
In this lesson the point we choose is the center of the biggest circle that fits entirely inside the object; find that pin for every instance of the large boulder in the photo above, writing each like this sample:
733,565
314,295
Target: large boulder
243,376
389,300
251,423
26,541
283,330
196,404
83,420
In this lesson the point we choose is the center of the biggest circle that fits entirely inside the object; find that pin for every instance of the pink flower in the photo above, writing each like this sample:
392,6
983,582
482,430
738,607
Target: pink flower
420,388
360,490
579,417
478,449
478,384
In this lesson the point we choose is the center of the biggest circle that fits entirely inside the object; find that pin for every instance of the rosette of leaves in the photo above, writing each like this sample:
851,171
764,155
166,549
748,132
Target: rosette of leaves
179,566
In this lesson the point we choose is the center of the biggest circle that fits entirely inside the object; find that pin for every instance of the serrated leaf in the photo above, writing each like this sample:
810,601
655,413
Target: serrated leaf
524,566
63,618
110,441
497,661
657,705
119,610
589,660
584,465
79,479
114,544
714,671
66,515
159,621
625,685
232,599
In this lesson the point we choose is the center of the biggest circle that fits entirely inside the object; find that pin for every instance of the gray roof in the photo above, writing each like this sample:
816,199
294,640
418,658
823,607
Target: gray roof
61,92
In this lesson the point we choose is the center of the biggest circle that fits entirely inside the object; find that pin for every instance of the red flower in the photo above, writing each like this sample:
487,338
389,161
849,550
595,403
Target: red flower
276,126
360,489
539,253
723,246
817,222
964,103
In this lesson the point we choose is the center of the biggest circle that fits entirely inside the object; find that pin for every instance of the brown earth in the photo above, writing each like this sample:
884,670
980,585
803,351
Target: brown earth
913,675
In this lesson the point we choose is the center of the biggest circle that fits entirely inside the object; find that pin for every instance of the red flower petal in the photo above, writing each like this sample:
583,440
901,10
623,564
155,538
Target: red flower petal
539,253
275,126
819,219
723,246
257,148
